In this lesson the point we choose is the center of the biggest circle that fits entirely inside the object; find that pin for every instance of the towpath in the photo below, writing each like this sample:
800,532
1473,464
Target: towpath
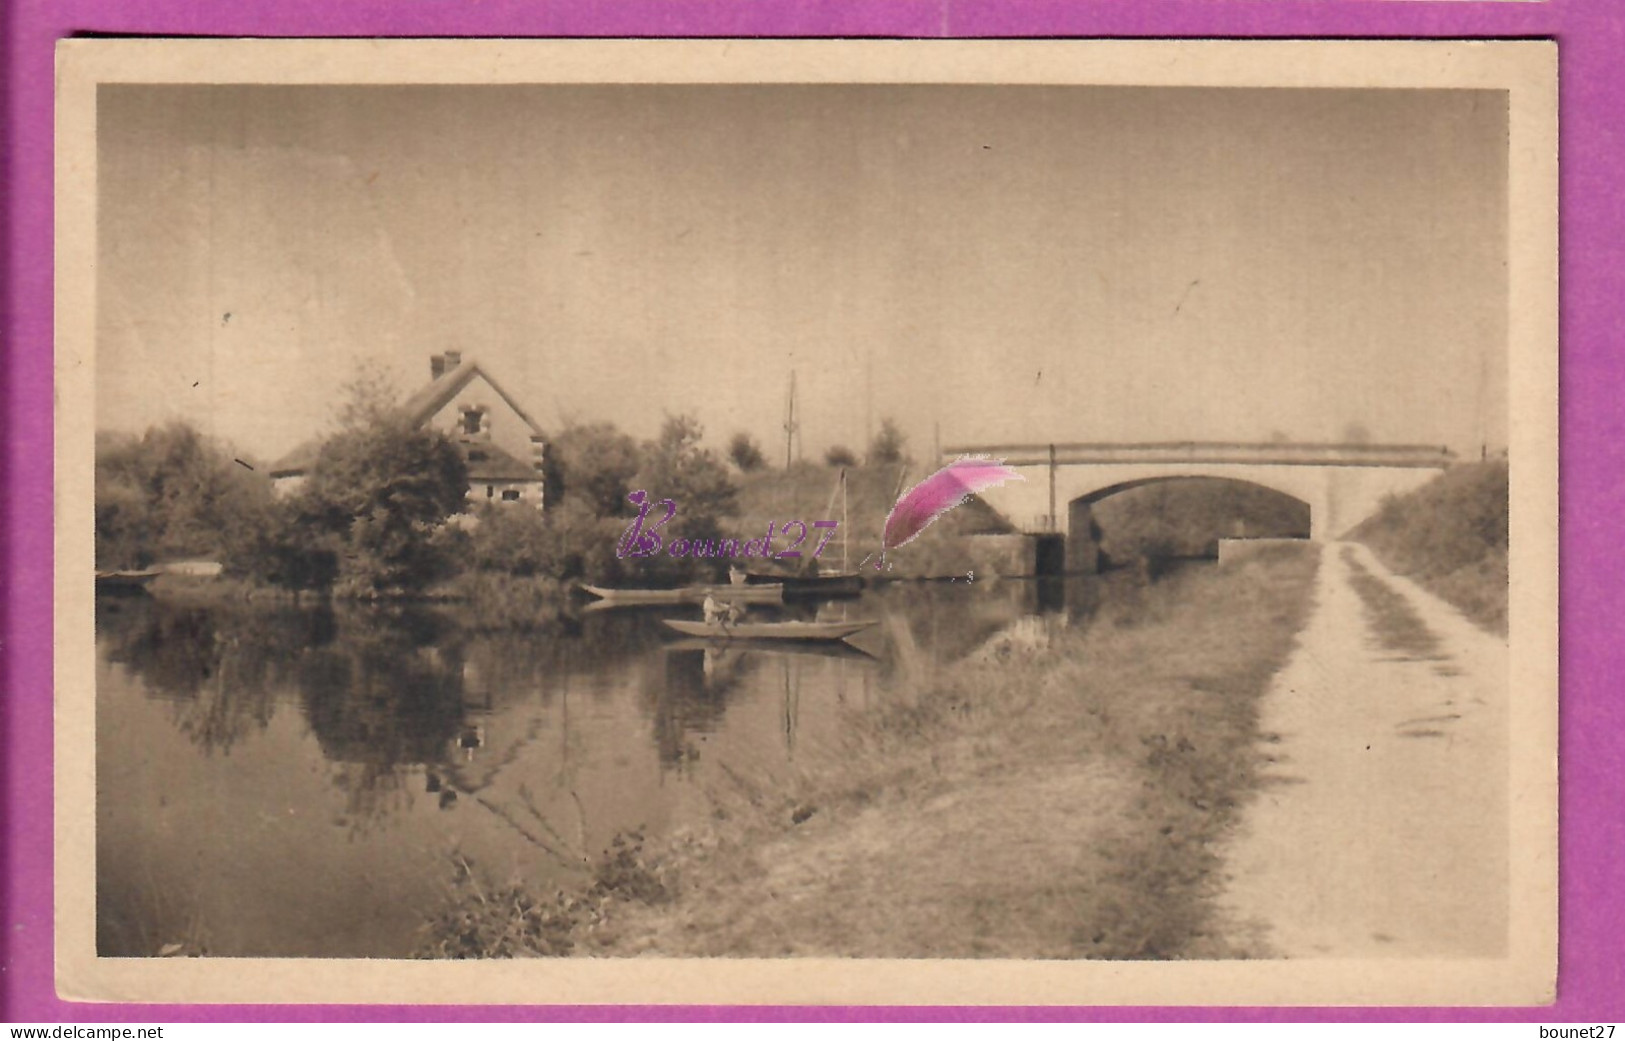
1382,825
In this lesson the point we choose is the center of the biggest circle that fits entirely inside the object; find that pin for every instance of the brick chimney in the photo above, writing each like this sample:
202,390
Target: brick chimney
437,366
453,359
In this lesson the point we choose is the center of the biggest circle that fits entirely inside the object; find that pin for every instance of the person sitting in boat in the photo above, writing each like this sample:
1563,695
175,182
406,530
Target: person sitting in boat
720,612
736,575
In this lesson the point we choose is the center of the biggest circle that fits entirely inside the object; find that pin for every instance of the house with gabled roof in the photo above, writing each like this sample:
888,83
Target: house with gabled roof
501,444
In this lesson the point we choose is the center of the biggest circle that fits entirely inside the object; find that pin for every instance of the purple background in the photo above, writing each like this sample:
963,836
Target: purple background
1591,35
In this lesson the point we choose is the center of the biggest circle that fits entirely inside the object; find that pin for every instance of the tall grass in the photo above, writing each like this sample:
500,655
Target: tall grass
1450,535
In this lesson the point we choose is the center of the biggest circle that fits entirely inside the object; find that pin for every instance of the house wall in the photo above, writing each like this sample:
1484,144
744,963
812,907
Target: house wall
504,427
481,492
285,486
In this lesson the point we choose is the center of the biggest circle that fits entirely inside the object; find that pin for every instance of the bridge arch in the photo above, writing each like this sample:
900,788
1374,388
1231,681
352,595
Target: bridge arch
1342,483
1084,536
1118,487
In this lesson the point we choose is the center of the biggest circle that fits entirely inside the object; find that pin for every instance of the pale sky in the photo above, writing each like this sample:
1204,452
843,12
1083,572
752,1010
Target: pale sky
1010,263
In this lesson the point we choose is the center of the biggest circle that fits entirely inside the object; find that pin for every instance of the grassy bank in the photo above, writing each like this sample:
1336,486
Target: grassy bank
1450,536
1062,798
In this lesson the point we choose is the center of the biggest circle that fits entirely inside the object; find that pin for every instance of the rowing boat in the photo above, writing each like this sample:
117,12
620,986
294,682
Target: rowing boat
768,630
739,594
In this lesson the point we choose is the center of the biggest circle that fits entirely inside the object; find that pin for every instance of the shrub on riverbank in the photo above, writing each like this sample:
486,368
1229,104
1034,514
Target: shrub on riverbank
1061,799
512,921
1450,535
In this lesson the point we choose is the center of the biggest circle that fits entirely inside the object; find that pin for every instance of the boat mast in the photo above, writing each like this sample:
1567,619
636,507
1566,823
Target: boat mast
845,569
838,489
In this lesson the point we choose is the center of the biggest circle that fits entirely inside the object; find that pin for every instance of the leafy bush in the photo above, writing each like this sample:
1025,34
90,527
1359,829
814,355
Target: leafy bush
485,921
745,453
518,541
840,455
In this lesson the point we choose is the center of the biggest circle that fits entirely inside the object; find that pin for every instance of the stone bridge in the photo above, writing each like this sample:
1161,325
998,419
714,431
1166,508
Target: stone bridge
1342,484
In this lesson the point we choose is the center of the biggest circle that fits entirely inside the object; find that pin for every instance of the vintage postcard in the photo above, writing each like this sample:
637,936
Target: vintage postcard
806,522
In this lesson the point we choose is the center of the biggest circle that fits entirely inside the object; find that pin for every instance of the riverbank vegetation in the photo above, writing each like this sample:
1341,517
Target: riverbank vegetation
1450,536
171,493
1058,798
384,514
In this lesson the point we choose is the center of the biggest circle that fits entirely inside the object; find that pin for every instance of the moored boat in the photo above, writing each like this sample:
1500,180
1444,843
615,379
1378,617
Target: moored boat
768,630
819,585
740,645
822,583
739,594
124,581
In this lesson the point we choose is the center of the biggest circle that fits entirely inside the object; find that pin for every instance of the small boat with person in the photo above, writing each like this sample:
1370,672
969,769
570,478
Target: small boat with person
720,630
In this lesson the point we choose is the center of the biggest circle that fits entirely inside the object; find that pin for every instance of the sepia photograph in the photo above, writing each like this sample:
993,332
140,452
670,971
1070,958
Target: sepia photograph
973,523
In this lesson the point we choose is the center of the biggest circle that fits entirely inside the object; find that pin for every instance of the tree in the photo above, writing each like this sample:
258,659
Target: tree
377,492
745,453
840,455
171,492
594,463
888,446
677,467
368,398
125,536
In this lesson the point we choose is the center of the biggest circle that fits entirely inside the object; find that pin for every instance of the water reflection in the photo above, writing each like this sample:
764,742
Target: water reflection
289,779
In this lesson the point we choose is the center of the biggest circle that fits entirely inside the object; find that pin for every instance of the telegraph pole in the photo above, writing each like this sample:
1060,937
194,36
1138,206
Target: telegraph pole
791,427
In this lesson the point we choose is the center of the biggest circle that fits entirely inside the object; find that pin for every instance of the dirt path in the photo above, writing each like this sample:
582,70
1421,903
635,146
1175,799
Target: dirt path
1381,828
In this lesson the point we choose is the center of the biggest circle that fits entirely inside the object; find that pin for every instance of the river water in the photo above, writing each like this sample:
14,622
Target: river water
298,781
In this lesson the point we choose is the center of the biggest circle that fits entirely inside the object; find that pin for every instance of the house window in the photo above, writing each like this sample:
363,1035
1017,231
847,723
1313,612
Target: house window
477,456
490,491
473,421
510,495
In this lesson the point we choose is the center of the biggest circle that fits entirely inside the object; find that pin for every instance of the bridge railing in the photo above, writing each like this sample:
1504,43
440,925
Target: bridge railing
1212,453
